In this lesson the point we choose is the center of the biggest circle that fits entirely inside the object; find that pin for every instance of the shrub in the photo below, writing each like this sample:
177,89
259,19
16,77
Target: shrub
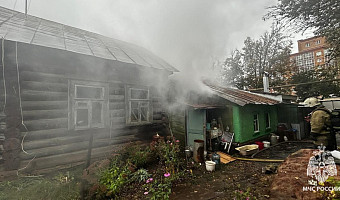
114,179
141,175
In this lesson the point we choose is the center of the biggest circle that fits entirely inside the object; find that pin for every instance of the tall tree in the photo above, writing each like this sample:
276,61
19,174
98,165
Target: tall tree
270,53
317,88
322,16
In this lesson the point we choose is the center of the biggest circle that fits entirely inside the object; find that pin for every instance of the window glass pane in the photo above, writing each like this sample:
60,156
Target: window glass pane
82,117
96,112
144,113
134,112
267,120
82,104
139,94
89,92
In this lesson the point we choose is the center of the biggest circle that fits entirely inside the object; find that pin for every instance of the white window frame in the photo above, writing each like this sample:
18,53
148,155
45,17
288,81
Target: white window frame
318,42
319,53
307,44
256,121
74,104
267,117
146,101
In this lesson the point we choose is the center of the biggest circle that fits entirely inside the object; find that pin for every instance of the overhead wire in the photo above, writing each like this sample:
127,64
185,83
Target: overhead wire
3,72
15,4
21,113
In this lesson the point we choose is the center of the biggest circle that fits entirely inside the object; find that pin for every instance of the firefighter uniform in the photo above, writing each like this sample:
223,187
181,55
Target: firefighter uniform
321,130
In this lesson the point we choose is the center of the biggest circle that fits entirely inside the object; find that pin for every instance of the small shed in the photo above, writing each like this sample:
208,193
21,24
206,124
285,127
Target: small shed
247,114
60,84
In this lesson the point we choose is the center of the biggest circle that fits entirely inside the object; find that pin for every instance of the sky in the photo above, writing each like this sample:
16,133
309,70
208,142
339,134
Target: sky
188,34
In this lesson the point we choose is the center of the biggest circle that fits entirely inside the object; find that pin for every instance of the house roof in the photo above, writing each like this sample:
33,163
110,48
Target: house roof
240,97
16,26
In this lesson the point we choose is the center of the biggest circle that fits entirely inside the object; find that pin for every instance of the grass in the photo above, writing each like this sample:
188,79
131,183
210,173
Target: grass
59,186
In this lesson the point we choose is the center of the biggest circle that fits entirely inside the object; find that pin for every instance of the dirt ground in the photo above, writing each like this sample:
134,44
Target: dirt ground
237,175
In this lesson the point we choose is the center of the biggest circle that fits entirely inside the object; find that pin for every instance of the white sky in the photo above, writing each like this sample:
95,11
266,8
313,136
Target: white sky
189,34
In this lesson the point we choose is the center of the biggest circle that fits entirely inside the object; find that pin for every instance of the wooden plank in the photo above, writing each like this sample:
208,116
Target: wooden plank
118,120
116,89
74,137
44,105
45,86
31,95
44,114
42,77
68,158
225,158
117,98
43,124
45,134
117,105
118,113
73,147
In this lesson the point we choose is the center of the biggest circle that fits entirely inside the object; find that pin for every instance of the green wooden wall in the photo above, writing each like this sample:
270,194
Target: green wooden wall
244,121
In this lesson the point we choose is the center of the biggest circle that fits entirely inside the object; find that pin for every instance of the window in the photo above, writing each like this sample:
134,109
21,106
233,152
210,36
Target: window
267,120
256,123
318,42
138,106
89,105
318,53
319,60
307,44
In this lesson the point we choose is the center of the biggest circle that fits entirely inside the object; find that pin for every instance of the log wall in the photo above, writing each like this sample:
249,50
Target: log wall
44,76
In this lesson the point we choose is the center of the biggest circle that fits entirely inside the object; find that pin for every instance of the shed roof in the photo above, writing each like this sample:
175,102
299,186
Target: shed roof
16,26
240,97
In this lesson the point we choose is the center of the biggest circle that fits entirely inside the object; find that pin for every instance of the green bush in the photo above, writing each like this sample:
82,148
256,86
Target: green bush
114,179
141,175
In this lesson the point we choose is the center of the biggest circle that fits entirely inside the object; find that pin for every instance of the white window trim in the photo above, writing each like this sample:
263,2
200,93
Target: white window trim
74,101
128,90
269,121
258,123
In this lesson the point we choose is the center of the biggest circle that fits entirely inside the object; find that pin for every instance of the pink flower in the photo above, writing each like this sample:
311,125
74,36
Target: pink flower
146,193
167,174
247,198
177,141
149,180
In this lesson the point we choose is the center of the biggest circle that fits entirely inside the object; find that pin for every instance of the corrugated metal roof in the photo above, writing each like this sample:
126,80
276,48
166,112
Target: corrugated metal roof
16,26
240,97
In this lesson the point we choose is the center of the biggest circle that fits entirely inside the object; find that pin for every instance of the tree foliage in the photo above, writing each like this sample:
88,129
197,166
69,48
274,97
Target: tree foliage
270,53
322,16
318,88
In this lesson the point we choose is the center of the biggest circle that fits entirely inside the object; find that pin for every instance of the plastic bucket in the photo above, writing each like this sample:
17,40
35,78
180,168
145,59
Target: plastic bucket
210,166
266,144
261,145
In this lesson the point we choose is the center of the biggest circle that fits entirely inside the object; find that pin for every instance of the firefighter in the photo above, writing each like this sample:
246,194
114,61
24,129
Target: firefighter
321,129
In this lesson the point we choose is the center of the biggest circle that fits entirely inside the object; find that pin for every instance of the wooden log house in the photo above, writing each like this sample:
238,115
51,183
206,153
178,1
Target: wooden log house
59,84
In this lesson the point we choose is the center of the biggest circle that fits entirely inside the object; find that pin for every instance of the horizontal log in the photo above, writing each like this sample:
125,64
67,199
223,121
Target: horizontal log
67,148
42,77
44,114
118,120
45,86
44,105
31,95
45,134
43,124
117,105
74,137
116,89
118,113
69,158
117,98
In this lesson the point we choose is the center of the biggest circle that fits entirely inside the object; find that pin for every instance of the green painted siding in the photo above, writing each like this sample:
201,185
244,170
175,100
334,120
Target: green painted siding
244,121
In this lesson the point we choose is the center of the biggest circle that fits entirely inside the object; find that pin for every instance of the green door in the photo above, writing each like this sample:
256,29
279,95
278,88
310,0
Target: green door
196,120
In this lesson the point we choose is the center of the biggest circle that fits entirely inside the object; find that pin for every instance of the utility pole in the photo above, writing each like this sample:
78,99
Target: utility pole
26,8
